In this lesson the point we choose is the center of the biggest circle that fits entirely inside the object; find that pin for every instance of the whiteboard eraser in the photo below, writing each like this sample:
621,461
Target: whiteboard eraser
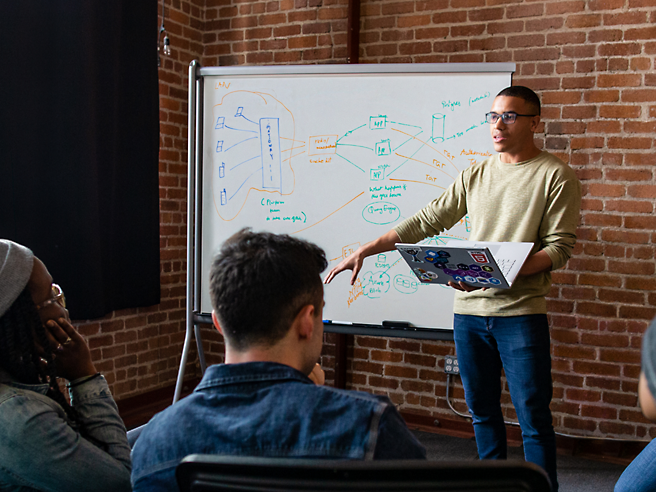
397,324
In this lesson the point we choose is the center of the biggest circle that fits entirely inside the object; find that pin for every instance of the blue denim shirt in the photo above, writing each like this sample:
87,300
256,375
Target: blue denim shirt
649,357
273,410
39,450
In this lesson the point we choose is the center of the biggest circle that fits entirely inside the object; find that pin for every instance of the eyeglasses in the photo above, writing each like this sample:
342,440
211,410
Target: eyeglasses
57,296
508,117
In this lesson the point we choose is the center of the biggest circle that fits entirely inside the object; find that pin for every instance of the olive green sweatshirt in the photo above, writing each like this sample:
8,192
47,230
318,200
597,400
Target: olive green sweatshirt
534,201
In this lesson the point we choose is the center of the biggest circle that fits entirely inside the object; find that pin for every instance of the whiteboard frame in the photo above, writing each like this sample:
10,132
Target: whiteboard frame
360,69
197,73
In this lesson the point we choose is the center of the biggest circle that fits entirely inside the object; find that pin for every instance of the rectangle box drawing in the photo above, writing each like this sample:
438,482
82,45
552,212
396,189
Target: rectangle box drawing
271,160
322,144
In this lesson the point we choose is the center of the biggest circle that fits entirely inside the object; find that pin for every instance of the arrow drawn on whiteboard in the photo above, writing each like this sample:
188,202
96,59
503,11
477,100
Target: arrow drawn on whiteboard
349,161
252,138
239,129
332,213
422,162
350,132
420,182
430,147
408,140
240,186
242,116
295,141
401,165
392,265
405,124
353,145
292,148
420,147
292,156
244,162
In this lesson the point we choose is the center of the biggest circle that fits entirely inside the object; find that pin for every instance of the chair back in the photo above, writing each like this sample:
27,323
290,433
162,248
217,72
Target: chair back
211,473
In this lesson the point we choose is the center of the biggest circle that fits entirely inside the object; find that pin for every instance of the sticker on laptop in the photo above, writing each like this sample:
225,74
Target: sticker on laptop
413,252
479,256
425,276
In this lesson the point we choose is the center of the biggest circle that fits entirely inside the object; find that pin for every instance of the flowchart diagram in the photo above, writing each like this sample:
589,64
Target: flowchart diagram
339,176
250,153
253,154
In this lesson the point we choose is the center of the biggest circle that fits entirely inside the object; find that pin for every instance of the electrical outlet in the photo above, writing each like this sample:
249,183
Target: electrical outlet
451,364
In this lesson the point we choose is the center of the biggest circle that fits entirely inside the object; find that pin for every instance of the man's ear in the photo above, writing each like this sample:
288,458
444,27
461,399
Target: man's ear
216,323
304,322
535,122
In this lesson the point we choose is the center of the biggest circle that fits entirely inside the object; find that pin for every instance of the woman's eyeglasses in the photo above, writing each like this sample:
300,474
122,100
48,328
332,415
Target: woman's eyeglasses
57,296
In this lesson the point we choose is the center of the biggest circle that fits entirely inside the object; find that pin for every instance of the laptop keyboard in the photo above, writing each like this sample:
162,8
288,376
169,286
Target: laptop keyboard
505,264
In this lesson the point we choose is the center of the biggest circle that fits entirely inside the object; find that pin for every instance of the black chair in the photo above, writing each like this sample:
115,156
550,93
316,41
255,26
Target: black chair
210,473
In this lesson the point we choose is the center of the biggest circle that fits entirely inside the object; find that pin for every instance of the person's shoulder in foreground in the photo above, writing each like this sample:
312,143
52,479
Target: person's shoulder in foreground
265,400
640,475
269,409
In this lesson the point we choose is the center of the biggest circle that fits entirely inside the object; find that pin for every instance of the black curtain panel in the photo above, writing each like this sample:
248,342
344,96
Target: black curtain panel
79,143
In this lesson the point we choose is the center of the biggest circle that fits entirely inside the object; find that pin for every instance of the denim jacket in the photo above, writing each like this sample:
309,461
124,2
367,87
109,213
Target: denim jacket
39,450
272,410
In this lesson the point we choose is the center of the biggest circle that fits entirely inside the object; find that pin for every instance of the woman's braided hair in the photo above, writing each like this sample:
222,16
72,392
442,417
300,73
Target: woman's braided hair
19,327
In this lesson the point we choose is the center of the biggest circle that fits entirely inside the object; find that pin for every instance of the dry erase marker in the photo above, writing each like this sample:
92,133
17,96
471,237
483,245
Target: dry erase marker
397,324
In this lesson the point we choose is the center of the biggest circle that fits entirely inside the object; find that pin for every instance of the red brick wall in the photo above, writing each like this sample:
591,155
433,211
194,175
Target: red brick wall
592,64
279,31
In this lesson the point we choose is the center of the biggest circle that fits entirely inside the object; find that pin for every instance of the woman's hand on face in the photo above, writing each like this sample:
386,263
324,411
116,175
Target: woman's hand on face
70,352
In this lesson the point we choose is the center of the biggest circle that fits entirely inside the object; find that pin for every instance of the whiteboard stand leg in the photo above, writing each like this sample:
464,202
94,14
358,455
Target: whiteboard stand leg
183,363
201,351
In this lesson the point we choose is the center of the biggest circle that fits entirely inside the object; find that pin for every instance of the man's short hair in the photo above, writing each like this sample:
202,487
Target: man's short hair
523,93
260,281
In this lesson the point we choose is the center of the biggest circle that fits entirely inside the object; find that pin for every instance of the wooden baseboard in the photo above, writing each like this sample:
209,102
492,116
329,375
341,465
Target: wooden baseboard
600,449
454,426
138,410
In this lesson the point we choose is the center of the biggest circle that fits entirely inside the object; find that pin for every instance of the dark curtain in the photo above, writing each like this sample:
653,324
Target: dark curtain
79,142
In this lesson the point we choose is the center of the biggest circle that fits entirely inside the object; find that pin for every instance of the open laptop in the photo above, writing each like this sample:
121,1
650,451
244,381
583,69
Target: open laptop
477,263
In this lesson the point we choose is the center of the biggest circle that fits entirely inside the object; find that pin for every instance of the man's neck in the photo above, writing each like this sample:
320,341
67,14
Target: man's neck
507,158
251,355
259,354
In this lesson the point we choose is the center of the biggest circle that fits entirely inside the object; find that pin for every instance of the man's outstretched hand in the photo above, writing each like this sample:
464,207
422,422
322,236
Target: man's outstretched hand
352,262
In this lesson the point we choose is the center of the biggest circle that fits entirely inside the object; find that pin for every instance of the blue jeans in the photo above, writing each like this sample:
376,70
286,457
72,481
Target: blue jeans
640,475
519,344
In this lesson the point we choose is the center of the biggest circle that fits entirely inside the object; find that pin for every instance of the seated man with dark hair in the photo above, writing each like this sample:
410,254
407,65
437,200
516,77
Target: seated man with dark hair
267,295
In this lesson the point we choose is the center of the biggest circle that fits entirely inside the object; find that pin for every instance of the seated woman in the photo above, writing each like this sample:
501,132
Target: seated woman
45,443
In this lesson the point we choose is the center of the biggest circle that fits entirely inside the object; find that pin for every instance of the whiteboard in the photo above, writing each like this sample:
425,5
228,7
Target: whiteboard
338,155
